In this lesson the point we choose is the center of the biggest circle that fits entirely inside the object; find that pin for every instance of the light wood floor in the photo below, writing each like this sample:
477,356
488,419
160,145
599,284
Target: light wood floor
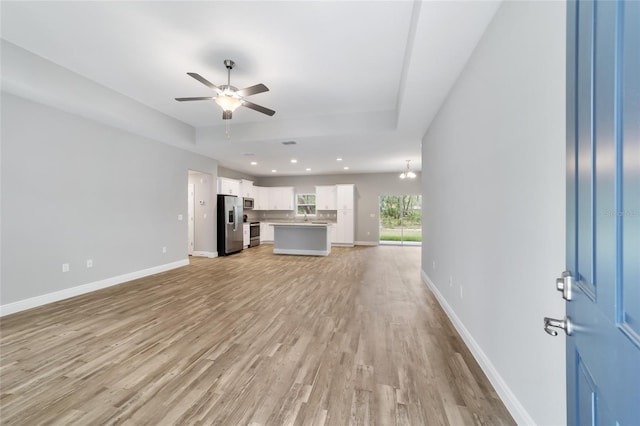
249,339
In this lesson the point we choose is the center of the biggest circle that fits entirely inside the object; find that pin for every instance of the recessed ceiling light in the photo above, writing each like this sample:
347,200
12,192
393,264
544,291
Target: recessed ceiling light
308,169
273,171
346,167
339,159
289,143
248,154
253,163
294,161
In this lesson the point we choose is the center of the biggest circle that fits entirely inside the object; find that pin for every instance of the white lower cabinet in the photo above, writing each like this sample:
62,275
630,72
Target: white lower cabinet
266,232
246,235
345,227
345,223
333,234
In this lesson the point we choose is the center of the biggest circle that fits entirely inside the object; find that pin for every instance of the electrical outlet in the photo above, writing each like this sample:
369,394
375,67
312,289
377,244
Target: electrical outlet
450,281
89,263
179,217
460,292
65,267
164,249
434,265
204,216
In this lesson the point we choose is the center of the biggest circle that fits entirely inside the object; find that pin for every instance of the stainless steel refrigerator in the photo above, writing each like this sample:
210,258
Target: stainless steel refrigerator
229,224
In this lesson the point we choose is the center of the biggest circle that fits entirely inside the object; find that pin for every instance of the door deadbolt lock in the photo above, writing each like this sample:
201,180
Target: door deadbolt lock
565,285
551,325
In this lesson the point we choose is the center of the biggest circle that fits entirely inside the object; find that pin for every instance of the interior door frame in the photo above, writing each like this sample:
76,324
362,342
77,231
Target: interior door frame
191,207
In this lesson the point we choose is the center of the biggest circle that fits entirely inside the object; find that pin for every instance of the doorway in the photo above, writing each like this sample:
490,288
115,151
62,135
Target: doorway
400,219
200,212
191,199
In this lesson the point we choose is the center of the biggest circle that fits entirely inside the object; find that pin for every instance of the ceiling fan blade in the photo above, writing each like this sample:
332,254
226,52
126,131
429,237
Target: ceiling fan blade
258,88
204,81
258,108
201,98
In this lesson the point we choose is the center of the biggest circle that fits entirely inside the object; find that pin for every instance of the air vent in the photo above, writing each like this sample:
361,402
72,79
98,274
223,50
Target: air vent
289,143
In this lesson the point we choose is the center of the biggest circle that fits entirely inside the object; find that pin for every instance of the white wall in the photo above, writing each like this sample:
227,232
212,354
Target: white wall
233,174
494,197
30,76
74,189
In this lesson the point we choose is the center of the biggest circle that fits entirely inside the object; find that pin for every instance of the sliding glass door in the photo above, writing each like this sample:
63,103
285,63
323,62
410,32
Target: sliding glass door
401,219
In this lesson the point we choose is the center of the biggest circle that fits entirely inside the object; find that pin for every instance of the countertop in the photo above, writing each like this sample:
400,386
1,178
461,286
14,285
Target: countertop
315,224
298,222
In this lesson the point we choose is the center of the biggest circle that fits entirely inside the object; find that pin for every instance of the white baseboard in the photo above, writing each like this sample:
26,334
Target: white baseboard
209,254
33,302
366,243
516,409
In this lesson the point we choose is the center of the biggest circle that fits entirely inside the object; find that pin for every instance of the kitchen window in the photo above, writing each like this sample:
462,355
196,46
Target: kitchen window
306,204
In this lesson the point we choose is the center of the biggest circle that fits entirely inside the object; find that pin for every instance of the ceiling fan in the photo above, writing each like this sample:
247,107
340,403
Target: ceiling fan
228,97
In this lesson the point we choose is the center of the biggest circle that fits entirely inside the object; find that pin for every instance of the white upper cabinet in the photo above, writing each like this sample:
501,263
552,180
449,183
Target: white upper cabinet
228,186
258,203
326,197
264,198
273,198
281,198
345,196
247,189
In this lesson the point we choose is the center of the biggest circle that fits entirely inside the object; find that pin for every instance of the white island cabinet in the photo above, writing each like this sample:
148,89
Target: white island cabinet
307,239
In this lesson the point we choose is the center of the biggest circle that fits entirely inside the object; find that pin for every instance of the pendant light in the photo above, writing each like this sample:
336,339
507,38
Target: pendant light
407,173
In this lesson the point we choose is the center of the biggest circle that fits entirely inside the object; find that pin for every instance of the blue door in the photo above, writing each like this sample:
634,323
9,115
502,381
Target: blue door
603,213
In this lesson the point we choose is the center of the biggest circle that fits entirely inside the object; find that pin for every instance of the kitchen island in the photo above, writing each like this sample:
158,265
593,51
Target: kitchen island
306,239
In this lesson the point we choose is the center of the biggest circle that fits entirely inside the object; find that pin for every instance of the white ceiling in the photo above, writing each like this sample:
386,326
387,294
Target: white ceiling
360,80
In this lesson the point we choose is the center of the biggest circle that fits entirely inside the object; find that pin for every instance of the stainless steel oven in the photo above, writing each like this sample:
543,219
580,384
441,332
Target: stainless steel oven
254,234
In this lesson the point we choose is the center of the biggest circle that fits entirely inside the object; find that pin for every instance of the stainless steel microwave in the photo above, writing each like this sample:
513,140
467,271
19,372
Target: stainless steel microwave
247,203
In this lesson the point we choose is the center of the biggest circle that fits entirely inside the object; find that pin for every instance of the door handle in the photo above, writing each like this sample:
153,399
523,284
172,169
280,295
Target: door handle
550,324
565,285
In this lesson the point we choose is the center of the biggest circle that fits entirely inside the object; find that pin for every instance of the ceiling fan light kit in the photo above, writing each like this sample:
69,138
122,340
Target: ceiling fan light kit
228,103
228,97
